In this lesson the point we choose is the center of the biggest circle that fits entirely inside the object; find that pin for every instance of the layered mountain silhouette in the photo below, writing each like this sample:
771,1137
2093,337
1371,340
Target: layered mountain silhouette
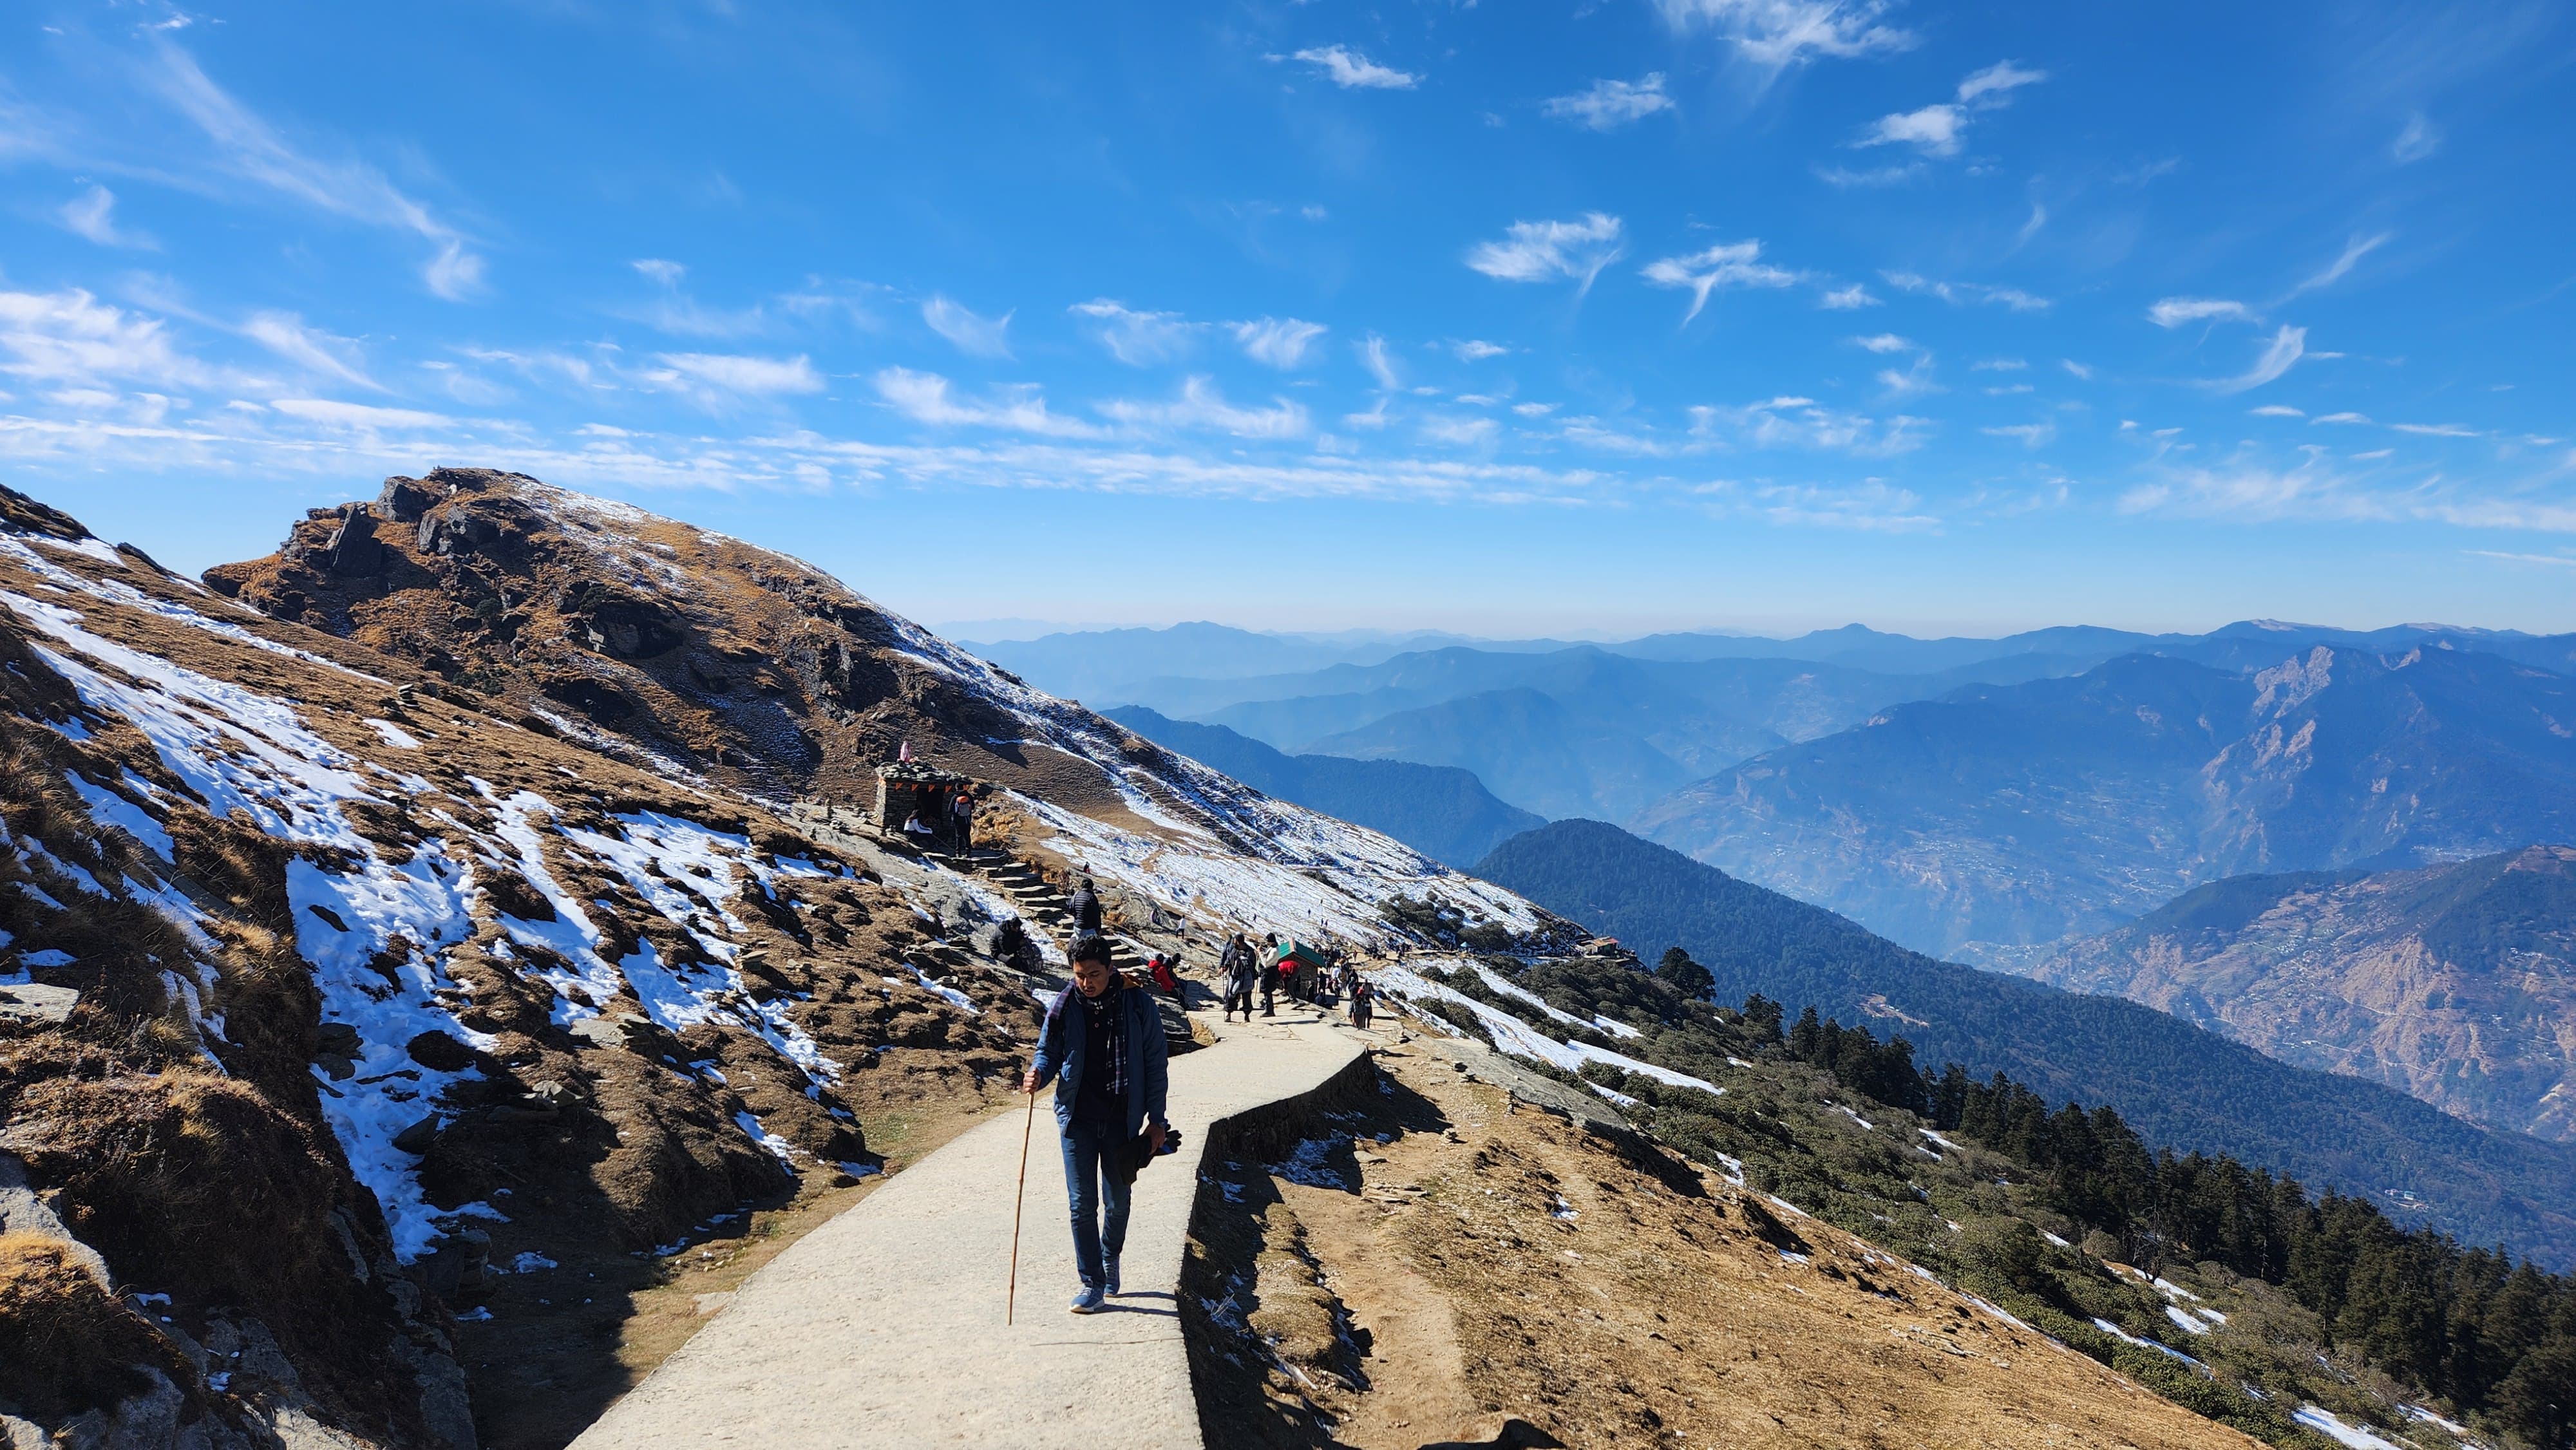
1998,817
1438,810
2180,1084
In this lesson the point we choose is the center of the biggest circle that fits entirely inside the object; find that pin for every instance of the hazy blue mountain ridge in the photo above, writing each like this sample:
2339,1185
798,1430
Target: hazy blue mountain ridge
2177,1083
1998,817
1443,812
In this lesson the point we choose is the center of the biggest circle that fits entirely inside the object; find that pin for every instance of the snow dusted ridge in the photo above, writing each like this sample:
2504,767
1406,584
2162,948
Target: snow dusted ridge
1210,847
378,922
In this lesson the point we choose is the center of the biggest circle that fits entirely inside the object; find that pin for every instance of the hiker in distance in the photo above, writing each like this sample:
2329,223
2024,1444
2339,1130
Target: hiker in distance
1102,1046
1239,969
1084,903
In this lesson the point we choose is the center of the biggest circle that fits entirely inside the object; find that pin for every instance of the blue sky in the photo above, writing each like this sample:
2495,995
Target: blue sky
1565,318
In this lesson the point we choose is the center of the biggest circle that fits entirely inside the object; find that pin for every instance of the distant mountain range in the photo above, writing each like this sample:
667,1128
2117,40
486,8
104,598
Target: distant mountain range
2456,983
2178,1083
1439,811
1608,730
1999,817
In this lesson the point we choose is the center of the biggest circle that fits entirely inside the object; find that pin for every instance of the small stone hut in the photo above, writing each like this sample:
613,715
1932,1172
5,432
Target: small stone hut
908,786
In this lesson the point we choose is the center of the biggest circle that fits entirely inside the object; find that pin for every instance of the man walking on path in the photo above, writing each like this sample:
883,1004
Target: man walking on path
1240,970
1362,995
1084,903
1270,974
1102,1045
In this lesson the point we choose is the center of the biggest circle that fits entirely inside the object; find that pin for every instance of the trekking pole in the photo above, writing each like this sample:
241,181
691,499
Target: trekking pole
1010,1306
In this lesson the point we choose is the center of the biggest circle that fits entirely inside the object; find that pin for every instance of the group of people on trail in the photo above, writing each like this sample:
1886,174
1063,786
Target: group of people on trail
1305,974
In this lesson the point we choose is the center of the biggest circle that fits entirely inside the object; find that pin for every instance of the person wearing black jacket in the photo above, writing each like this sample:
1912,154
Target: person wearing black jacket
1240,969
1102,1046
1084,903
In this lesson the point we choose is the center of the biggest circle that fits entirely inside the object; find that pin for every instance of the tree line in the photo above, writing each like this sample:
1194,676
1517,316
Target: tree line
2470,1325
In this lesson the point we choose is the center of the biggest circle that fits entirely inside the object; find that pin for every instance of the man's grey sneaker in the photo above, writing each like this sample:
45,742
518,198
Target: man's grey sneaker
1089,1301
1112,1276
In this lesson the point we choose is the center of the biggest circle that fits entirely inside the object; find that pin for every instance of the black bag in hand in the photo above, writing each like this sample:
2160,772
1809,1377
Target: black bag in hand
1136,1152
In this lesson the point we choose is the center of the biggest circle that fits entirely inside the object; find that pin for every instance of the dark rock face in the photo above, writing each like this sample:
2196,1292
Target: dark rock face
404,500
632,628
353,548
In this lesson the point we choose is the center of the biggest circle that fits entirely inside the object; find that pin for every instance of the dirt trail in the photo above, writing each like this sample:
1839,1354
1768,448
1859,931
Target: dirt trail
885,1326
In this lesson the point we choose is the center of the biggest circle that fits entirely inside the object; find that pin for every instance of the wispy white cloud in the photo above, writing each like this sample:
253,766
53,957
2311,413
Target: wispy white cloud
970,334
1459,432
1998,365
1728,264
2340,267
2284,350
285,334
2076,369
2437,430
1934,130
1139,339
712,377
1804,423
1473,350
1845,179
1941,129
92,215
249,147
2030,435
1870,506
925,398
1373,356
1884,342
1351,70
1610,104
674,312
70,338
1776,34
1279,342
1915,381
1847,299
1544,251
1201,407
2175,311
2416,141
360,416
2276,410
2354,418
1961,293
2560,561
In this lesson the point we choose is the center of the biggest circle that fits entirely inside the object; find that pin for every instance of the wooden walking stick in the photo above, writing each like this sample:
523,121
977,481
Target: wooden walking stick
1010,1306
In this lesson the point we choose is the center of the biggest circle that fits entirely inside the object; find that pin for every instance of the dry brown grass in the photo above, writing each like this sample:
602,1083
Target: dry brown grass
1492,1260
67,1344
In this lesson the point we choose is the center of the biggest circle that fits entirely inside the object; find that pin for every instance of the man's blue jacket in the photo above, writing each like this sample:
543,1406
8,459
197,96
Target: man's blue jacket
1063,1046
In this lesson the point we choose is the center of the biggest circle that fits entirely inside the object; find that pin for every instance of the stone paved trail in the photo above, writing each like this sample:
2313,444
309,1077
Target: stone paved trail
884,1327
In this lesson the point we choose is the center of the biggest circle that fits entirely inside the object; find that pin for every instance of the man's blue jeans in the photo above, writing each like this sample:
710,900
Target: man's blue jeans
1090,1189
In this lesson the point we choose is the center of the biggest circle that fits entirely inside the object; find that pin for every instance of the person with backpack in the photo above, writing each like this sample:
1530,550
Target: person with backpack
1240,970
1084,903
1363,998
1269,974
1102,1046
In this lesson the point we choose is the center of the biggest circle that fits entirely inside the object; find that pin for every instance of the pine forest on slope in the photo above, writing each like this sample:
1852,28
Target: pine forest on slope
2456,983
2181,1085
